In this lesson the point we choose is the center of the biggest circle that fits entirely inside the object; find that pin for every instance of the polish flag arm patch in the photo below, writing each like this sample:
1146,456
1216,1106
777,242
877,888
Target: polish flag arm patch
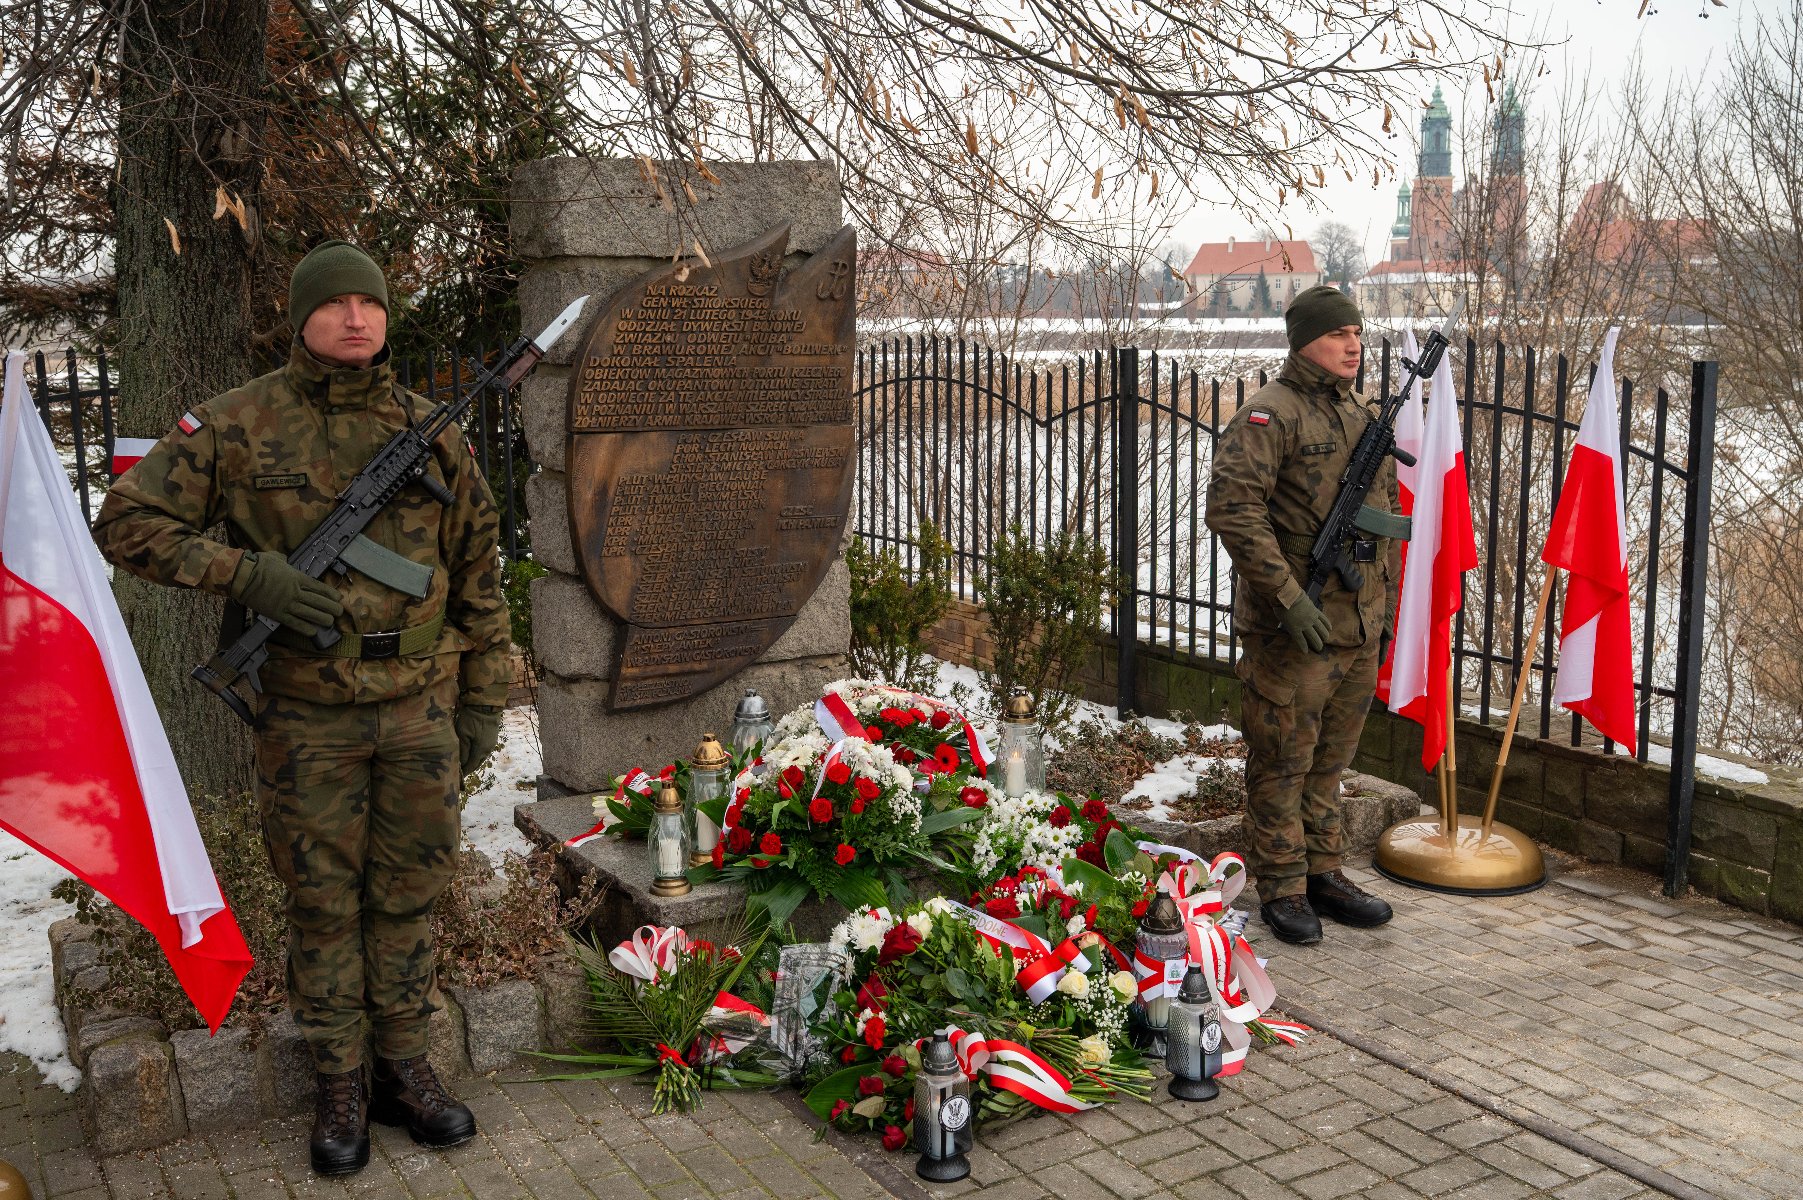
189,423
1255,417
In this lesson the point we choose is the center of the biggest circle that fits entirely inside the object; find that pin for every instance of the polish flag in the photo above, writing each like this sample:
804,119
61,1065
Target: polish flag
86,773
1589,539
127,452
1433,592
1409,426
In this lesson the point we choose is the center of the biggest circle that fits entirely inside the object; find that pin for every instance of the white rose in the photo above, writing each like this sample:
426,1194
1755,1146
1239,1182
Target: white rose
922,923
939,906
1074,984
1124,983
1074,926
1094,1050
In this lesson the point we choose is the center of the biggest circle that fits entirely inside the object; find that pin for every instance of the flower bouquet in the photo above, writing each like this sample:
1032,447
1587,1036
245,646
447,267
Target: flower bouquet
1038,1026
668,1000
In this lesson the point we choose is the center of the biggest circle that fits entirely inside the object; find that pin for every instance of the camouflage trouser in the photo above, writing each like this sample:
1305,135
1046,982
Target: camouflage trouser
1301,715
360,816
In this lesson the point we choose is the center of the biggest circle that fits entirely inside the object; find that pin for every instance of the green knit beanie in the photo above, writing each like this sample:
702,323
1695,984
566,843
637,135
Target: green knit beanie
1321,309
334,268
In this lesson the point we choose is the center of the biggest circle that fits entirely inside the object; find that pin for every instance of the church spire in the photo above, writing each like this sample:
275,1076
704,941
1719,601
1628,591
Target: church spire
1436,140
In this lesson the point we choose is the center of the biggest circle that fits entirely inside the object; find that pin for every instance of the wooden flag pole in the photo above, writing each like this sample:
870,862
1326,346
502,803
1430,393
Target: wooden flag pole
1452,757
1521,688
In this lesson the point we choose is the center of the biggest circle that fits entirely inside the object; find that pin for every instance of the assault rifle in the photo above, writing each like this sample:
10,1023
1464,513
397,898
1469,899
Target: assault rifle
1336,548
338,544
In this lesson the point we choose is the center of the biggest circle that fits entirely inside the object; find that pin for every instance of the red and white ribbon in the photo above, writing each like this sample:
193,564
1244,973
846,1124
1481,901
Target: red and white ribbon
650,952
1014,1068
635,780
1046,964
728,1010
836,718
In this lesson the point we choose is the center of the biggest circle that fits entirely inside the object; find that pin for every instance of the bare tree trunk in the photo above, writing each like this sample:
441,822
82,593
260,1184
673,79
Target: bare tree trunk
190,123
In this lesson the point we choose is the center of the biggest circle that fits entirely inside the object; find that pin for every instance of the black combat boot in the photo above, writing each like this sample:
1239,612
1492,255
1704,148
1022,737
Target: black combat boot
340,1142
1292,920
407,1092
1345,901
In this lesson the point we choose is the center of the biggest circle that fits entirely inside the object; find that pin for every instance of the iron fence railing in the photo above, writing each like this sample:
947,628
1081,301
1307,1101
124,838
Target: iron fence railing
1118,447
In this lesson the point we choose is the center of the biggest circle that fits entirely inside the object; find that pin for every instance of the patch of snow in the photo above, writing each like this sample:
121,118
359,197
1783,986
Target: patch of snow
1708,764
488,815
29,1023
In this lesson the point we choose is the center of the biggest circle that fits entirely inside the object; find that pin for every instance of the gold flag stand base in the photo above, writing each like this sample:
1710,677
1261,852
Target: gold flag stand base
1419,853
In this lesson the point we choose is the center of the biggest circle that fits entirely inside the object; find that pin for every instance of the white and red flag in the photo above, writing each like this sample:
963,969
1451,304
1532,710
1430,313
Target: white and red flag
1410,424
1589,539
1441,549
86,773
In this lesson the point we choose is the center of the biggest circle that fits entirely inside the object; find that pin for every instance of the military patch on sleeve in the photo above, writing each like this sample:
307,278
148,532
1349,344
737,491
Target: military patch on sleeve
189,423
293,480
1256,417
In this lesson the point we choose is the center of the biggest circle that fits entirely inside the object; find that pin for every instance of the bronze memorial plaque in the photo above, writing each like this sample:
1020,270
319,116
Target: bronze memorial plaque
710,457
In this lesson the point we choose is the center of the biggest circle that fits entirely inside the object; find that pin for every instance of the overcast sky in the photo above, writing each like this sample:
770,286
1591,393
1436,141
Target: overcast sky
1672,39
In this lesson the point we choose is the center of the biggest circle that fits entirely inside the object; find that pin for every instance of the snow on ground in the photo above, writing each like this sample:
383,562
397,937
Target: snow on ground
29,1023
1708,764
1167,783
488,815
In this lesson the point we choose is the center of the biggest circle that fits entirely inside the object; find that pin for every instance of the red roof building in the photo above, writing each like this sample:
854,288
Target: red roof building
1225,276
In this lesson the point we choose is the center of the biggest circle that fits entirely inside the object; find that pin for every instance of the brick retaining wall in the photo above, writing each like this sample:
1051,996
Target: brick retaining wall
1747,839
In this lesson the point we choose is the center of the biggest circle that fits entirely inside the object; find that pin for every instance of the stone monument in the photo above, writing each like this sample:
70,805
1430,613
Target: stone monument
695,447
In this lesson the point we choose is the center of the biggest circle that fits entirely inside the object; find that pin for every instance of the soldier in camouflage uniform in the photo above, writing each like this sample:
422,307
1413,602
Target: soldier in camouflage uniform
1308,671
360,748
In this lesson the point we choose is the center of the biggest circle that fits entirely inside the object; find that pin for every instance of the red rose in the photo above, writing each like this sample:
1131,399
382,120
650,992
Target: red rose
719,855
905,756
1060,817
974,797
901,940
1067,906
1095,810
793,776
739,840
940,719
839,1108
872,994
668,772
893,1138
895,1065
868,789
844,854
1090,853
857,806
1139,910
946,757
908,1110
838,773
871,1085
848,1054
874,1032
760,863
821,809
1002,906
770,844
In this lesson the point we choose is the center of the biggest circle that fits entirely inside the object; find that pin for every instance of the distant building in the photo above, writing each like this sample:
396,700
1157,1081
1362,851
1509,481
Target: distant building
1423,274
1249,278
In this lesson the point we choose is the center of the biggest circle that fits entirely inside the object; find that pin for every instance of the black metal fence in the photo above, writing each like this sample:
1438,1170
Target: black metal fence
1117,446
77,397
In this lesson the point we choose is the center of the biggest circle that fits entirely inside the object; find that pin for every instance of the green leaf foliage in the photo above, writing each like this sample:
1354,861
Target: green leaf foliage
893,608
1043,601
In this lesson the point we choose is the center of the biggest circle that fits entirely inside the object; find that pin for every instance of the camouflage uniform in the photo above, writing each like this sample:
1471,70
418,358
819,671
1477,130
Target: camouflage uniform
357,758
1276,472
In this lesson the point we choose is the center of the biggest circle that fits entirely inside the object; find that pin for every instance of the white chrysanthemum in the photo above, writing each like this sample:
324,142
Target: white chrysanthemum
867,930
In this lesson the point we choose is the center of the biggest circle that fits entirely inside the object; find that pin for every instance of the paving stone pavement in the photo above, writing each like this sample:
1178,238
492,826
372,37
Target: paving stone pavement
1664,1033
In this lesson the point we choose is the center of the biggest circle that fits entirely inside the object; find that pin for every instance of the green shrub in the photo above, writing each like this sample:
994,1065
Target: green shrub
891,612
1044,604
516,586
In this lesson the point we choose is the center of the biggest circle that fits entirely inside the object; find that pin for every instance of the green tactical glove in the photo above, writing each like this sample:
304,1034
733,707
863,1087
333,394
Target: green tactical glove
478,730
1306,625
266,584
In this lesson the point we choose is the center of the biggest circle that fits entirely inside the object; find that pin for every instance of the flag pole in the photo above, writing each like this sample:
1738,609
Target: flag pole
1521,688
1451,757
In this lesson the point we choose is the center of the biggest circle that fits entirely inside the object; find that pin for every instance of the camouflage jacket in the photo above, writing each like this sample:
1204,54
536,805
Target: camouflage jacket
267,459
1277,469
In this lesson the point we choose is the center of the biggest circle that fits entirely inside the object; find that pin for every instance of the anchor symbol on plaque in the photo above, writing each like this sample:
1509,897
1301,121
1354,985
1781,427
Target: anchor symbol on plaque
765,270
833,286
